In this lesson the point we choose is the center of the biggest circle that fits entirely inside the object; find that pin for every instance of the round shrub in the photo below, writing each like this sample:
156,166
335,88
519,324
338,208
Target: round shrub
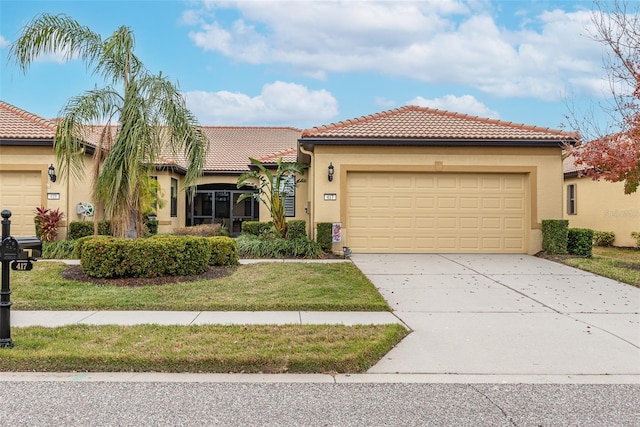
224,251
603,238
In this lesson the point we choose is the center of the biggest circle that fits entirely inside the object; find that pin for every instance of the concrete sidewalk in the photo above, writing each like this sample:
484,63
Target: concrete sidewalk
61,318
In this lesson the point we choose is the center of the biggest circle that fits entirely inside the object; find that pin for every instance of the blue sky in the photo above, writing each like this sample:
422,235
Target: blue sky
308,63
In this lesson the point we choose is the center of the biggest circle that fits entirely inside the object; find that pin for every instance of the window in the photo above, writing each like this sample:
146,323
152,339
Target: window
174,197
571,200
288,188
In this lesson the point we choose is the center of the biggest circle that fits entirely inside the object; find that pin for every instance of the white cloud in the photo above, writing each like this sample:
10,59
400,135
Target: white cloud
439,42
4,42
279,104
384,102
466,104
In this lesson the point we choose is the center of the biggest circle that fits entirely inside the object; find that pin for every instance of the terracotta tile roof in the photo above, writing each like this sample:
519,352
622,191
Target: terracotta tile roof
289,155
412,122
231,147
569,166
16,123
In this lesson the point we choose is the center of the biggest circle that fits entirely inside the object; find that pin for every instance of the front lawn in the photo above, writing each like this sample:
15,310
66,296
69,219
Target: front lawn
615,263
207,348
254,287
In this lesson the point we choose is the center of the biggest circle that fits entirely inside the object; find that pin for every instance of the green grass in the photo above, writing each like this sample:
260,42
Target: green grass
253,287
153,348
615,263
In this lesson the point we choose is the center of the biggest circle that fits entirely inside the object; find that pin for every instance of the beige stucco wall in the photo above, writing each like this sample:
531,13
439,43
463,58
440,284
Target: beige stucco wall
71,191
603,206
542,167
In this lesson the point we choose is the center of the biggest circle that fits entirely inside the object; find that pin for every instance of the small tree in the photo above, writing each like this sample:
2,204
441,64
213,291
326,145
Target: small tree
615,156
149,110
272,188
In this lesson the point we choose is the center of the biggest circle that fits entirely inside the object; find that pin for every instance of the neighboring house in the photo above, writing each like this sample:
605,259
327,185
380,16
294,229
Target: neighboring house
599,205
410,179
26,152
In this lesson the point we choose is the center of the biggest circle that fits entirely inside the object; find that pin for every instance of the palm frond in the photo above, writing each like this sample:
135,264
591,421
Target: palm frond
55,34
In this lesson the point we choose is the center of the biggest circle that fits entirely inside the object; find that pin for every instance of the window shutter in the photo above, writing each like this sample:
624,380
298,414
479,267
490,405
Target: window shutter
288,187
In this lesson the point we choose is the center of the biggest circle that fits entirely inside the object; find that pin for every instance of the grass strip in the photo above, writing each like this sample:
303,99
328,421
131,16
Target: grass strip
253,287
618,264
203,348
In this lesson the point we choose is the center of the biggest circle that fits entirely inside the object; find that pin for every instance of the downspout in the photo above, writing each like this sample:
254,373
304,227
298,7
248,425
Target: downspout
311,194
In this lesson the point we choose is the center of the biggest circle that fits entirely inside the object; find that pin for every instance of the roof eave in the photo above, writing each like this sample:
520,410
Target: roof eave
42,142
309,142
221,172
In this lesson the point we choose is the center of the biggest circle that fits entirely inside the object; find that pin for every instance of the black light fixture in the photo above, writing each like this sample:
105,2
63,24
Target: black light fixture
52,173
330,175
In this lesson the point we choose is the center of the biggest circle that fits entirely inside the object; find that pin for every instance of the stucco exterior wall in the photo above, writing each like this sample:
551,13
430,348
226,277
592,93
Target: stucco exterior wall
542,167
603,206
70,192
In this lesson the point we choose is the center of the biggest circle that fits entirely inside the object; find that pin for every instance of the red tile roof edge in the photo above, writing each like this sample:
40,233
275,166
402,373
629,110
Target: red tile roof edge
275,156
33,118
392,112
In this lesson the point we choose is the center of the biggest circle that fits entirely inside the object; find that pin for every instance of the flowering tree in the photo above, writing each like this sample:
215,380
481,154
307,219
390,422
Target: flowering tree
616,157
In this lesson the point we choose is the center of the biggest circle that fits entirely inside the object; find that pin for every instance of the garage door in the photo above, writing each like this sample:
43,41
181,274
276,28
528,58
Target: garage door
436,212
20,192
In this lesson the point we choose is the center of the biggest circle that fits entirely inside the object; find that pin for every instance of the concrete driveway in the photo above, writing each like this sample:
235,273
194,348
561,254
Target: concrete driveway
505,315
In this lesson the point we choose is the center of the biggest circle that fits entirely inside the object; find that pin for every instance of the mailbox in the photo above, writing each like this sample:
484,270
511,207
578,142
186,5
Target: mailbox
30,247
9,250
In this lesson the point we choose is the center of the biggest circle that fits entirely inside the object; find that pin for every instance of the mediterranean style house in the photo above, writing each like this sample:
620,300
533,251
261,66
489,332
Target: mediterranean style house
410,179
600,205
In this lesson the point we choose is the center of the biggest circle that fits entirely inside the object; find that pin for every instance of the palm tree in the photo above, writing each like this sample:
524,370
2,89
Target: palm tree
148,110
272,188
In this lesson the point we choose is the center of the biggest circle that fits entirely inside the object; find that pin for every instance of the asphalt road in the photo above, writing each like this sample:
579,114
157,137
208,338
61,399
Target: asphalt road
40,403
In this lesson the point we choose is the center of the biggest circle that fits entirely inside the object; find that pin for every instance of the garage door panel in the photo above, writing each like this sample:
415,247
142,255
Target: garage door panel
425,202
431,212
514,224
20,192
514,203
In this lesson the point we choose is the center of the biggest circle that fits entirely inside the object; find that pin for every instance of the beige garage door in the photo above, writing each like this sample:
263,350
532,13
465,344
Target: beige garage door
436,212
20,192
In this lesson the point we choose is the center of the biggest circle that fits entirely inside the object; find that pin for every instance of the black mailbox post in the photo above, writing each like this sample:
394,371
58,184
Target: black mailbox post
19,253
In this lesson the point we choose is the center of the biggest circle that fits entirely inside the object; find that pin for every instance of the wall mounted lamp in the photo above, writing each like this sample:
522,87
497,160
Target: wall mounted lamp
52,173
330,173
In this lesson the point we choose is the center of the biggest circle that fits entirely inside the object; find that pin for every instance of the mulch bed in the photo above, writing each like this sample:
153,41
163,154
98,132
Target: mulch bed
74,272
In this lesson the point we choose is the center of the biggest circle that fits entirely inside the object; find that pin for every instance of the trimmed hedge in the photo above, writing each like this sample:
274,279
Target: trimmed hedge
78,229
158,256
603,238
554,236
224,251
296,228
580,241
202,230
323,235
256,228
79,244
